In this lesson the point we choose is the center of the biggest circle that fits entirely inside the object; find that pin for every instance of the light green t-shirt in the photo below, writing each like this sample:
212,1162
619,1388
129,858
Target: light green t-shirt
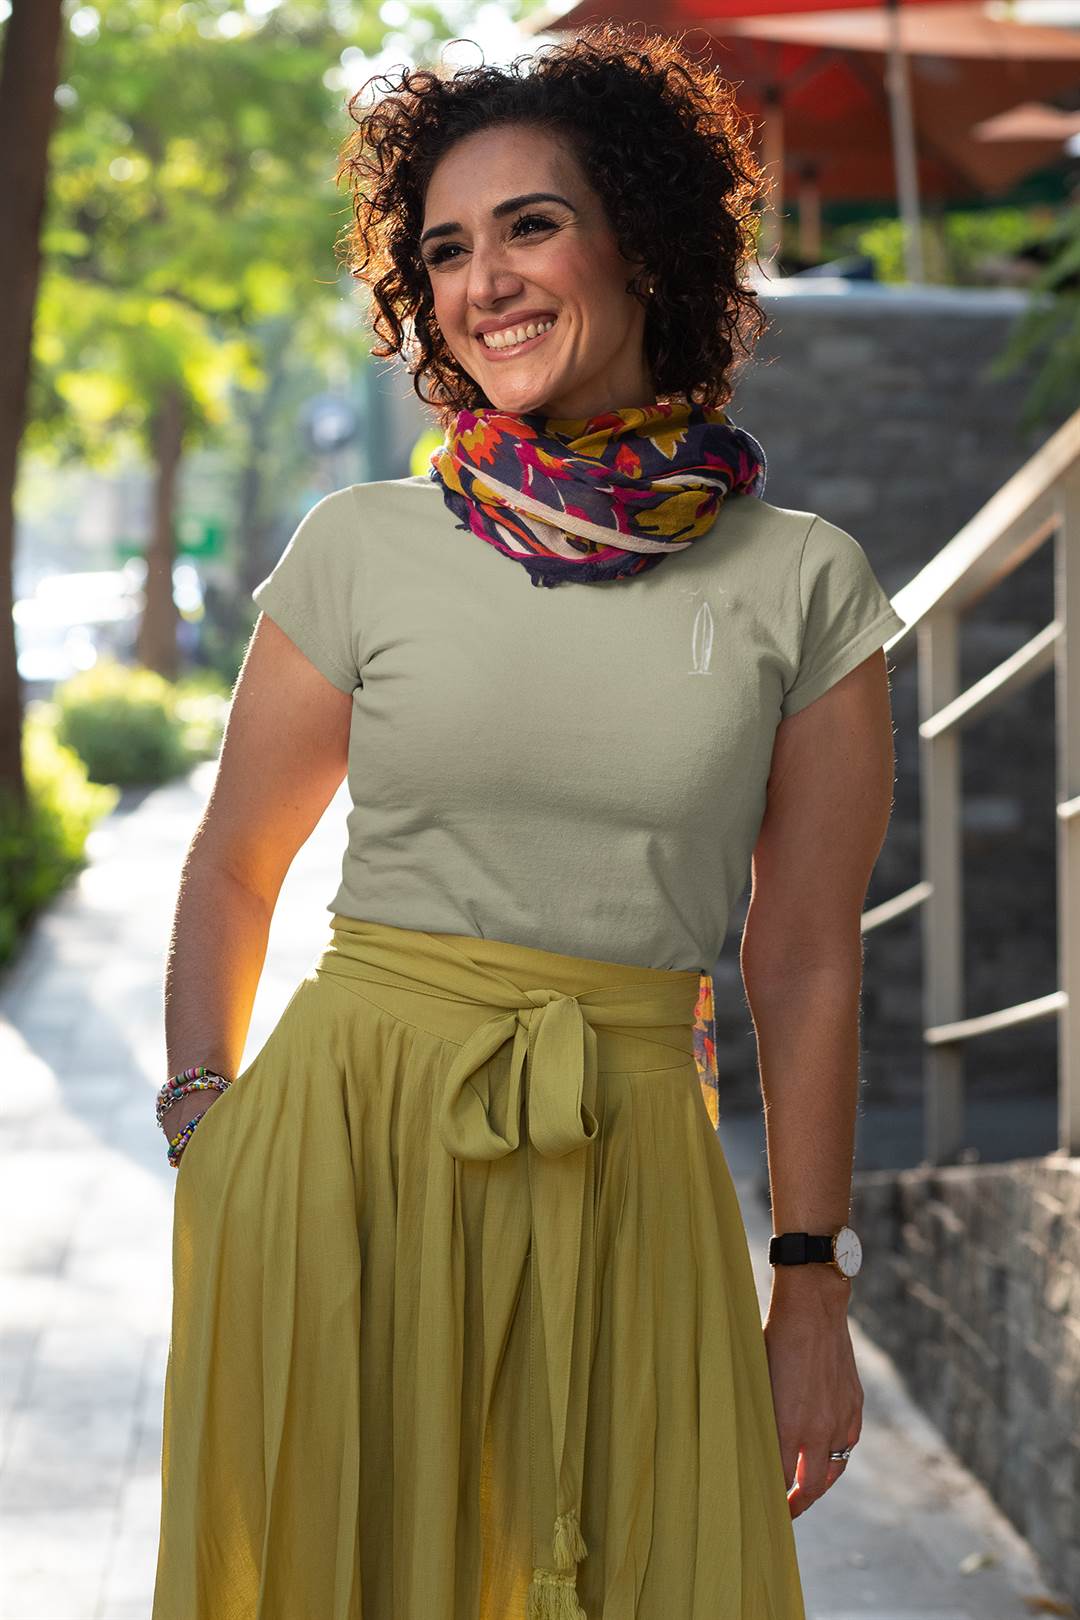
583,768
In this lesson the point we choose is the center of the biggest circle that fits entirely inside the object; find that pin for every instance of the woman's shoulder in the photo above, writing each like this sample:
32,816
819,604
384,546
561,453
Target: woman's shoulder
762,539
762,522
377,490
379,503
788,536
332,537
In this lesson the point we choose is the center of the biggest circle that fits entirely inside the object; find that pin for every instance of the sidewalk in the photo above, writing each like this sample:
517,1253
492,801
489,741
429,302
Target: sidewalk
86,1206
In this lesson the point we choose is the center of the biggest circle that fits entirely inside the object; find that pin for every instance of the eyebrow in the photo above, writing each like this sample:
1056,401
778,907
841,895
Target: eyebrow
507,207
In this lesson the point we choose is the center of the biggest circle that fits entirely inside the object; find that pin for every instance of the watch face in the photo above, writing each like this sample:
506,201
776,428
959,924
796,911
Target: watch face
848,1251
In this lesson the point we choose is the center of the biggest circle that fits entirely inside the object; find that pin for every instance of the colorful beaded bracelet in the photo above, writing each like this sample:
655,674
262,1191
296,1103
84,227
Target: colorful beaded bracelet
198,1078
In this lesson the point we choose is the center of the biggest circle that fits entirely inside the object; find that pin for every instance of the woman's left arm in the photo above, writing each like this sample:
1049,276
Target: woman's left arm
828,807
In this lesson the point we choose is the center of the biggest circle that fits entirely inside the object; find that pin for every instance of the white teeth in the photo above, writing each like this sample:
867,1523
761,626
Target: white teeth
511,335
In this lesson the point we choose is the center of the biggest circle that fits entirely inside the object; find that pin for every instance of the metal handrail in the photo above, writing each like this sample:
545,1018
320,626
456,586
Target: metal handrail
1039,504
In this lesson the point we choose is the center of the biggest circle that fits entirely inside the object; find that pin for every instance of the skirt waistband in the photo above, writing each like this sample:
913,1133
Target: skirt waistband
446,983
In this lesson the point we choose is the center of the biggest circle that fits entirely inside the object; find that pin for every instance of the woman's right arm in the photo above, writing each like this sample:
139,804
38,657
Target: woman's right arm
283,757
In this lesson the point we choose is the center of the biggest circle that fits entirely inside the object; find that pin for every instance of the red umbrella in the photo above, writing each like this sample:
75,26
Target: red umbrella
812,75
962,67
964,70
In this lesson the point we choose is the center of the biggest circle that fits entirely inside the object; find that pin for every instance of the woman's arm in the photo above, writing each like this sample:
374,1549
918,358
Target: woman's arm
828,807
283,757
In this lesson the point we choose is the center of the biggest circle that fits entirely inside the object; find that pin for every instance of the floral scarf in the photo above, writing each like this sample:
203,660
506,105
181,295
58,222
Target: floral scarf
591,498
596,498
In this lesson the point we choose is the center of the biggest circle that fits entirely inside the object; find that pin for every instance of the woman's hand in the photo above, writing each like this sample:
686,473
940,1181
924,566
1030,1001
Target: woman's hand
817,1396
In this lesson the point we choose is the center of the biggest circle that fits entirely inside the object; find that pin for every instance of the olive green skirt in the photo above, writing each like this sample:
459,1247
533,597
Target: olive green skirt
464,1323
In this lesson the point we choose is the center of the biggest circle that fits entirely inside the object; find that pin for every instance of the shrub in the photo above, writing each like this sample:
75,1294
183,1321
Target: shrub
43,844
131,726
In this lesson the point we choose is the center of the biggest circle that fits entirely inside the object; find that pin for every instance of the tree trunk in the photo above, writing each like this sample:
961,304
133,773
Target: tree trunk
156,646
27,106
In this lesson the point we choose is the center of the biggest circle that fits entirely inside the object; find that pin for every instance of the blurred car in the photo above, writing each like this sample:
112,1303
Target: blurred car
74,619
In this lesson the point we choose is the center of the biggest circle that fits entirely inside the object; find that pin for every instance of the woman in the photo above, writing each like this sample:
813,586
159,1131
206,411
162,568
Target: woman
464,1319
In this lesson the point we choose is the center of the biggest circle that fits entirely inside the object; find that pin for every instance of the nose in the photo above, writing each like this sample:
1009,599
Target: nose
490,277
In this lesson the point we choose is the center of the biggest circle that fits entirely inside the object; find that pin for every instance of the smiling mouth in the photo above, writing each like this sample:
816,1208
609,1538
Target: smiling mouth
516,348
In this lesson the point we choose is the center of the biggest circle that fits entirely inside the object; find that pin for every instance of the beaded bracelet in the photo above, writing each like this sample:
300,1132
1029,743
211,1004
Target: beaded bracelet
197,1078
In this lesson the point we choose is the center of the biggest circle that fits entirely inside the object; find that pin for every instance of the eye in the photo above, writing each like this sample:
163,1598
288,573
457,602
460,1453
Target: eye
530,219
441,253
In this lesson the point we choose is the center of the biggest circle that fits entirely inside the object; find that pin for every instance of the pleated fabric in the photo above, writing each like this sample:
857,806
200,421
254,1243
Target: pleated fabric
464,1322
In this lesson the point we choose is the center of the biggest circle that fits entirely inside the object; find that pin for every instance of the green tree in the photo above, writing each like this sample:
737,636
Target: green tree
27,85
193,209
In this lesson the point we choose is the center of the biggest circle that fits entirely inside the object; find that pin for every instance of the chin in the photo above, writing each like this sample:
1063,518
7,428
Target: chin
521,405
516,397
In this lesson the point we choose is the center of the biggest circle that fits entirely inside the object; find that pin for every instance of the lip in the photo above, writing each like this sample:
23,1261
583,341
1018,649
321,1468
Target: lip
520,317
517,348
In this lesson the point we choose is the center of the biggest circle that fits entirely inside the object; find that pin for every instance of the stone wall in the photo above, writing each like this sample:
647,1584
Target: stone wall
875,409
971,1283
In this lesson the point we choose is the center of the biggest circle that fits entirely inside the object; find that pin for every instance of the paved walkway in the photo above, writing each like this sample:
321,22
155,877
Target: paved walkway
86,1207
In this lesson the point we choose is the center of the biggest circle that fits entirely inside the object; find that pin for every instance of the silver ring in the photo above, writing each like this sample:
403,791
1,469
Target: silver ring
841,1456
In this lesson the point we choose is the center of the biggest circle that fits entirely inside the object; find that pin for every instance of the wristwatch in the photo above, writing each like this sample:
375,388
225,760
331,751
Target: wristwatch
841,1249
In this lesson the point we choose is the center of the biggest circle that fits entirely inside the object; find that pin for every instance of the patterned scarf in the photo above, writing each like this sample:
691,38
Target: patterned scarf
591,498
601,497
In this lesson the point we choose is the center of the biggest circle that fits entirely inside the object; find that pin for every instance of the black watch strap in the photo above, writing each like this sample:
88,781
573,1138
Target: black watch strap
793,1248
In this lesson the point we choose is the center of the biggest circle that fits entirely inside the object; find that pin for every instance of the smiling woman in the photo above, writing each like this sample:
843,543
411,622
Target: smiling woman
634,235
507,264
464,1318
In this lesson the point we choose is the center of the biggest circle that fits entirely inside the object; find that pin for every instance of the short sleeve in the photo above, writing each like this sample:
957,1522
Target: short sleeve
313,592
846,613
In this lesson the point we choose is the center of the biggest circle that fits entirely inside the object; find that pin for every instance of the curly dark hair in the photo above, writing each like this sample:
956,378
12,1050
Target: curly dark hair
664,146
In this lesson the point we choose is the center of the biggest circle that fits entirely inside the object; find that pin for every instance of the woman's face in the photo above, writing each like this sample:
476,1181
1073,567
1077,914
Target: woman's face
498,261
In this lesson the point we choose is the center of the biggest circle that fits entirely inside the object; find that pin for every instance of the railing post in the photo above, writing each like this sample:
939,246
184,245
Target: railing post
942,915
1067,713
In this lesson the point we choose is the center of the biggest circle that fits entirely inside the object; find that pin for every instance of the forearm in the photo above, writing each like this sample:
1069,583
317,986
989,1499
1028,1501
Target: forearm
216,952
807,1028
